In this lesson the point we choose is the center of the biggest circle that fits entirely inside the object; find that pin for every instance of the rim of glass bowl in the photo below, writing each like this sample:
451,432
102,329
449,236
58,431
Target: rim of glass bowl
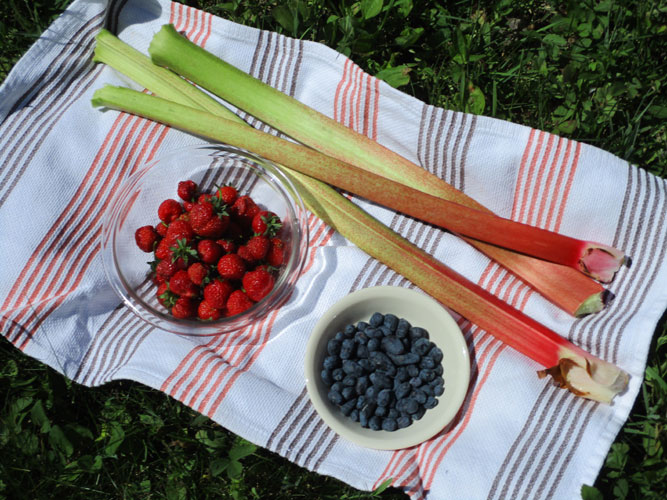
270,173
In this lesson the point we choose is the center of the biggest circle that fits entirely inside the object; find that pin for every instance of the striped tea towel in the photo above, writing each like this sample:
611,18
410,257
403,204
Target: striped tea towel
517,436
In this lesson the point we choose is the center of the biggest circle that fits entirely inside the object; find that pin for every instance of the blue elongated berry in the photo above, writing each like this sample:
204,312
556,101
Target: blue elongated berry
427,362
331,362
419,396
360,338
362,351
362,385
326,377
373,345
403,422
333,346
427,389
403,390
427,375
354,415
349,331
436,354
335,397
437,381
402,374
438,370
413,371
419,413
376,319
417,333
402,328
337,386
381,411
373,333
390,321
348,393
392,345
438,390
380,360
384,397
338,374
371,393
416,381
408,358
362,325
411,406
346,349
347,408
380,380
339,336
361,402
389,424
431,402
421,346
393,413
352,368
349,381
368,411
366,365
375,423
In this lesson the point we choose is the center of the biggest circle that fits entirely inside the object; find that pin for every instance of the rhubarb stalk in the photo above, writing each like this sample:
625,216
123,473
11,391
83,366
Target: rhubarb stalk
460,219
566,288
570,366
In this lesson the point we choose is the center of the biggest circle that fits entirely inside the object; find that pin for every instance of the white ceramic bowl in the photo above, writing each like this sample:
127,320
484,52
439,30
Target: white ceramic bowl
420,310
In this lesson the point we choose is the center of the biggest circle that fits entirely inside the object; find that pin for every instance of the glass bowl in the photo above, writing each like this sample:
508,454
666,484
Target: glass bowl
420,310
135,205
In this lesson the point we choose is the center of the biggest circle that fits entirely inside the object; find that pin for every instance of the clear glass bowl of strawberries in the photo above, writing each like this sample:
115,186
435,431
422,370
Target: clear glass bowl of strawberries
205,240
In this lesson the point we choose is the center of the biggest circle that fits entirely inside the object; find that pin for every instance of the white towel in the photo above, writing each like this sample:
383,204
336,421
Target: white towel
517,436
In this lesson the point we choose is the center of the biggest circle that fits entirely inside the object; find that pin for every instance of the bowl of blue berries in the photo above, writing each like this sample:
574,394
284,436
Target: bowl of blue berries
387,367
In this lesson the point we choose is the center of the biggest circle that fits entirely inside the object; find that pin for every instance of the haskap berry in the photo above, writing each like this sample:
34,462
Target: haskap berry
216,253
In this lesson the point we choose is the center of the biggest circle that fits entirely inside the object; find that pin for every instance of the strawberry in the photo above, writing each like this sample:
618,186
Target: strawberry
204,197
146,238
206,222
165,296
237,303
231,266
181,284
184,307
228,246
198,273
217,292
227,194
183,251
276,253
266,223
169,210
258,283
178,230
244,209
207,312
209,251
258,246
161,229
187,205
163,250
187,190
165,268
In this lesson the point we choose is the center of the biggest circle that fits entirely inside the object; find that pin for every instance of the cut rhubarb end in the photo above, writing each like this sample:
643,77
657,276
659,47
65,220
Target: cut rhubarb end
601,262
588,378
595,303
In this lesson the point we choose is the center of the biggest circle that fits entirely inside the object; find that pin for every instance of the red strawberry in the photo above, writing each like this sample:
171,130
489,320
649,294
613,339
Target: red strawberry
217,292
161,229
182,251
231,266
146,237
258,246
258,284
209,251
207,312
169,210
198,273
227,246
237,303
163,250
187,205
266,223
245,253
204,197
244,209
184,307
181,284
165,296
165,268
227,194
178,230
276,253
206,222
187,190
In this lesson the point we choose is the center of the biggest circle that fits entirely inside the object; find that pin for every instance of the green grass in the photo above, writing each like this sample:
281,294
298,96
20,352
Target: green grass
591,71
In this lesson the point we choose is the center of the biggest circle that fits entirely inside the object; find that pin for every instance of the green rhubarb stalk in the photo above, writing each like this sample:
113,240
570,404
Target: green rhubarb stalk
571,367
481,225
567,288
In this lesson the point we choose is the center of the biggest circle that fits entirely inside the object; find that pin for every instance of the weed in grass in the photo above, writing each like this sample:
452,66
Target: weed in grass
591,70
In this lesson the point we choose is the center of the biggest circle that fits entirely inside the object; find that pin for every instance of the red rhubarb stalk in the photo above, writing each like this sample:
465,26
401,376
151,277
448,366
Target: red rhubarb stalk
460,219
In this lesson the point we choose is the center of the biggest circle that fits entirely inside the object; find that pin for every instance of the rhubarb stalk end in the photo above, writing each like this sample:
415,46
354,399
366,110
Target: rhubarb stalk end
601,262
